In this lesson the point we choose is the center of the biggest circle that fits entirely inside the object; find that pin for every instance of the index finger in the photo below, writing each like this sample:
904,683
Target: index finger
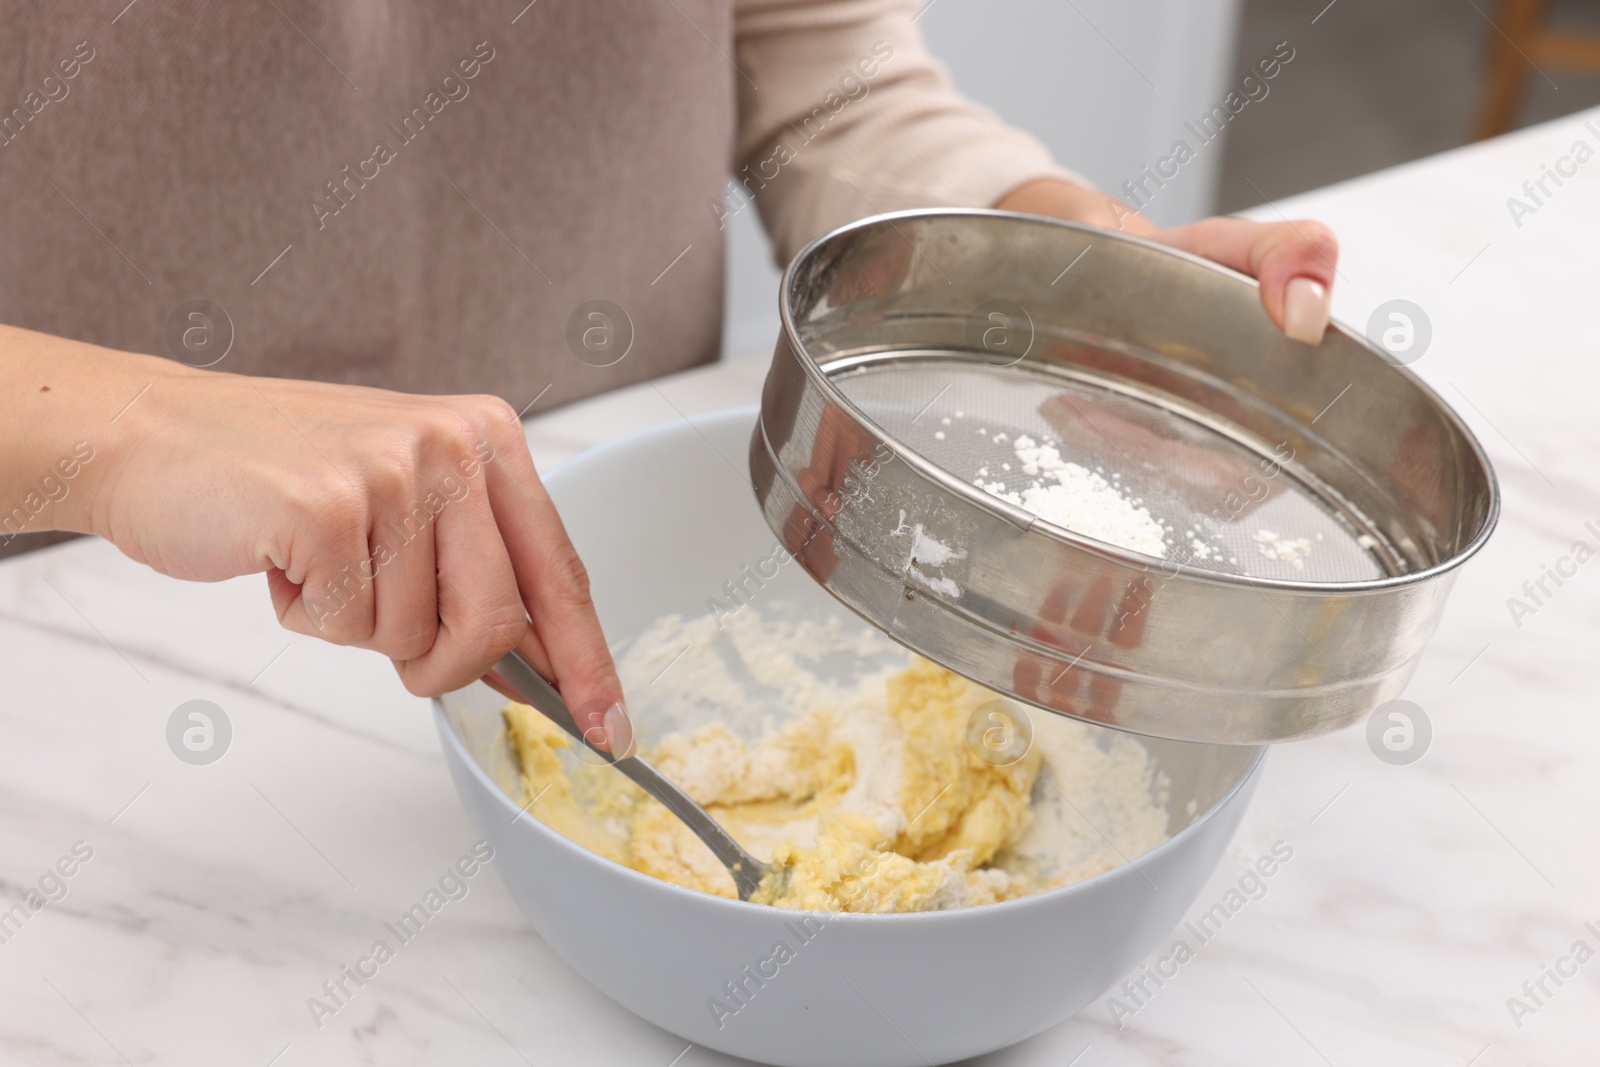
1295,262
555,587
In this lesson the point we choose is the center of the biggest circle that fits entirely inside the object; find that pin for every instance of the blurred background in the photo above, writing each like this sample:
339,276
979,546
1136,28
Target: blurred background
1109,84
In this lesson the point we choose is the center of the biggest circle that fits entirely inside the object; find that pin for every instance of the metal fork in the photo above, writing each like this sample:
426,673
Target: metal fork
517,679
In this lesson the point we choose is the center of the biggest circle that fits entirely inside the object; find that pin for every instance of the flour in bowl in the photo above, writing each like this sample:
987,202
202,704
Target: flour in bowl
825,747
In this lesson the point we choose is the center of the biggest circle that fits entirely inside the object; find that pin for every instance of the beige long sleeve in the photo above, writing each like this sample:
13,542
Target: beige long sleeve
843,113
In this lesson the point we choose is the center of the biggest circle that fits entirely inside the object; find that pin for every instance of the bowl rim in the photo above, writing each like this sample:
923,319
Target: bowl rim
453,743
978,498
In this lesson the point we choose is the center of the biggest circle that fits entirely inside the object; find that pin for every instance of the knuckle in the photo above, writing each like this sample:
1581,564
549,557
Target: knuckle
329,520
593,664
338,606
294,618
458,429
569,579
332,507
453,431
497,413
393,479
495,632
1320,237
412,643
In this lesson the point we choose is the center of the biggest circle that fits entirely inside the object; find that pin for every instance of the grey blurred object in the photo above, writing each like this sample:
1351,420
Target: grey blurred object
663,519
515,678
1147,362
1108,85
17,544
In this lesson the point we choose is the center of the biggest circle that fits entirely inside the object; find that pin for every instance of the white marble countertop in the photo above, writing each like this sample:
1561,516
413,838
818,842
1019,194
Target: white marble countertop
218,898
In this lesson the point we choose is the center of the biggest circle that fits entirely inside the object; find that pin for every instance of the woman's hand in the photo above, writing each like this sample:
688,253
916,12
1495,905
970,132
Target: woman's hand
415,526
1293,261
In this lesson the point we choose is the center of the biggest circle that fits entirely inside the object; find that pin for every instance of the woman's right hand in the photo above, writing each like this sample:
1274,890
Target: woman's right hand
415,526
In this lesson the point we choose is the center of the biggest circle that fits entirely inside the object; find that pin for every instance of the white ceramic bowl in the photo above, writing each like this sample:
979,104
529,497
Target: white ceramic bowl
663,518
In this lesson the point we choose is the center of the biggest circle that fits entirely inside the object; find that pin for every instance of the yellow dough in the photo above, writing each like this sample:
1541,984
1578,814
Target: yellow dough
893,815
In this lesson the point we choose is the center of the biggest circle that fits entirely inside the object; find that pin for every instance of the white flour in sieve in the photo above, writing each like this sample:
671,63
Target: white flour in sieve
1078,499
1292,550
1099,799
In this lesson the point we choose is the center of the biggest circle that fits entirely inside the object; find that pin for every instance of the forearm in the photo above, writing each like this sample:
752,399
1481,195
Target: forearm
854,117
61,430
415,526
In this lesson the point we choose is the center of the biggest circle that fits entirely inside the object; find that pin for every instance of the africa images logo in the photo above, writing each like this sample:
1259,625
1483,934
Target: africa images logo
452,88
451,886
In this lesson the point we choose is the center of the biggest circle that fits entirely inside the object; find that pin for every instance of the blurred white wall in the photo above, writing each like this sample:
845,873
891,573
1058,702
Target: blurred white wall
1106,84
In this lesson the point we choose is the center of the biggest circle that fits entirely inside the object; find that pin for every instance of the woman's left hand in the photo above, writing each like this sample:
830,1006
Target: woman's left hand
1293,261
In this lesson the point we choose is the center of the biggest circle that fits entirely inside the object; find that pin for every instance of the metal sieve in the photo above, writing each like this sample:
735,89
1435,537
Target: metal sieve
1314,503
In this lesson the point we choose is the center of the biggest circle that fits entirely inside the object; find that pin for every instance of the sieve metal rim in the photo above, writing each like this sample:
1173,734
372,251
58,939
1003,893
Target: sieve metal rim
1209,657
1027,521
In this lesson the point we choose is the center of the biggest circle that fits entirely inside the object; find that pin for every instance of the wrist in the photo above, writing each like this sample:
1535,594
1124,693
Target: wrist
135,415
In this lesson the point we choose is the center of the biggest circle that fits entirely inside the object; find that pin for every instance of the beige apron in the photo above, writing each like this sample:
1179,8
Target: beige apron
424,197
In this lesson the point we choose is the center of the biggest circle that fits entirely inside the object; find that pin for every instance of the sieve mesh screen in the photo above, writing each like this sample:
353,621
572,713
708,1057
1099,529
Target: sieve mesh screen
1224,506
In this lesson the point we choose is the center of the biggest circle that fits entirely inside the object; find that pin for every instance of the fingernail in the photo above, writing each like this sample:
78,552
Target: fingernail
619,732
1305,310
